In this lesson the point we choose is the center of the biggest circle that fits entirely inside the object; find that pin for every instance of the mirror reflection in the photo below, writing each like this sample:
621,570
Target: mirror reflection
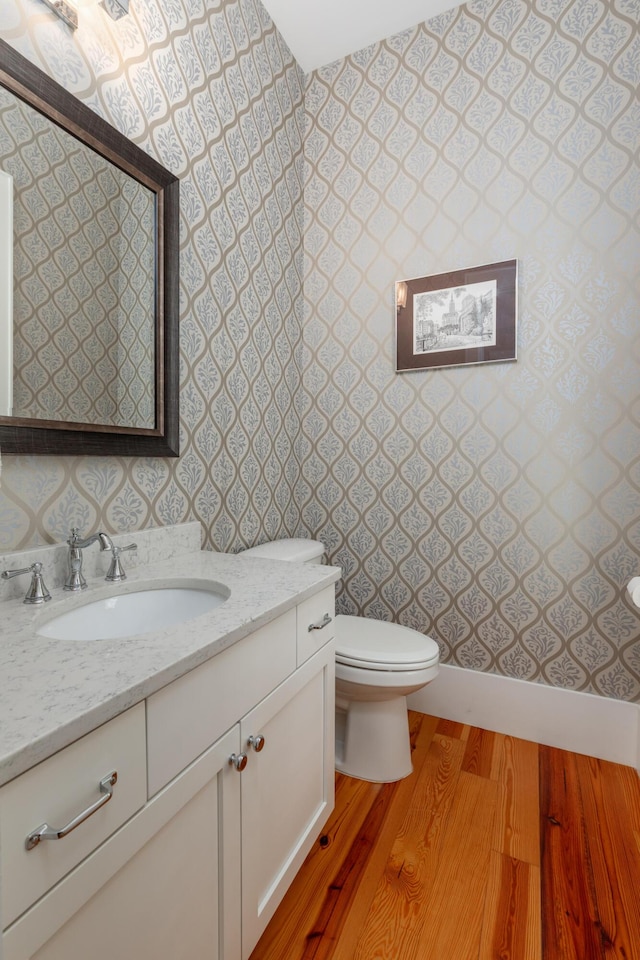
84,278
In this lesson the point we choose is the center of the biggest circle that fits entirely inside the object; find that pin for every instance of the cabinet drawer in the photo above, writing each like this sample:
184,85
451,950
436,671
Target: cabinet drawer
313,612
188,715
55,792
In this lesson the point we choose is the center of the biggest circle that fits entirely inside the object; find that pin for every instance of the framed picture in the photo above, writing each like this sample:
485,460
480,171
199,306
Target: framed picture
466,316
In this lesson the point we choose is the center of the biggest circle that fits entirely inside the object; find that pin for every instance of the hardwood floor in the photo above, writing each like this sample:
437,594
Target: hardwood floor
493,849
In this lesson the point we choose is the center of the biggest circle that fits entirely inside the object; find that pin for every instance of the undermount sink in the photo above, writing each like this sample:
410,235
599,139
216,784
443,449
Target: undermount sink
140,611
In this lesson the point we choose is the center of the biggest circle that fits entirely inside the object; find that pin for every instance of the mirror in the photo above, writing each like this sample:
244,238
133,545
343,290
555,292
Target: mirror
89,233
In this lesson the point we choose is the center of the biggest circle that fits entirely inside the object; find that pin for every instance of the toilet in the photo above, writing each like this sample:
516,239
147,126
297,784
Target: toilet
377,665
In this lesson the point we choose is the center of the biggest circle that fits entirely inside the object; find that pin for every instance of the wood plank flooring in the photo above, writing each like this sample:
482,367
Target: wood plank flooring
493,849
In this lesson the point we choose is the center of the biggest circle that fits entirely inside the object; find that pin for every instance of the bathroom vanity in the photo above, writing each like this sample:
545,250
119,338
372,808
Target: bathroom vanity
223,747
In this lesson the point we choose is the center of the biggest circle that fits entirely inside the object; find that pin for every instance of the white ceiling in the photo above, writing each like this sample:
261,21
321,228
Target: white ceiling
321,31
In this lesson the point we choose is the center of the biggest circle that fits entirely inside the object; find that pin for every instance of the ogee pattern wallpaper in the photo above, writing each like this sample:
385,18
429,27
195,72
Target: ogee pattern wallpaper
494,507
209,89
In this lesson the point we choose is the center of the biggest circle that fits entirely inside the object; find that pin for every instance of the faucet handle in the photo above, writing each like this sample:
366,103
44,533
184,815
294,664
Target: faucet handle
116,573
37,592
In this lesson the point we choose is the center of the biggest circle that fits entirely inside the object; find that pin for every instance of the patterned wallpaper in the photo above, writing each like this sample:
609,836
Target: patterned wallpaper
209,89
494,507
84,278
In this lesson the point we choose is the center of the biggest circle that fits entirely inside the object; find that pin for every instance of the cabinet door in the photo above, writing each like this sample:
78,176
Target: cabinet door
287,787
156,888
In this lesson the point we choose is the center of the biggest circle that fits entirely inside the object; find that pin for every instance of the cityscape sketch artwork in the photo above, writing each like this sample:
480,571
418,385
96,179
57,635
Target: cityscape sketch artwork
455,318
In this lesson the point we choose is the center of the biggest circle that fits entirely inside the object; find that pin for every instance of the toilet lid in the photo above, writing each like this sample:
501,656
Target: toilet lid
378,645
294,549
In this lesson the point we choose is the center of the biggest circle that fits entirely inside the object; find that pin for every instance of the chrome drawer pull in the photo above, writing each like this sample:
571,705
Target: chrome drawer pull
320,624
45,832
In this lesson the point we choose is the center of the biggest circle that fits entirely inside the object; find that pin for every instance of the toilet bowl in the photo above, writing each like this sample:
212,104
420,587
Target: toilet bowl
377,665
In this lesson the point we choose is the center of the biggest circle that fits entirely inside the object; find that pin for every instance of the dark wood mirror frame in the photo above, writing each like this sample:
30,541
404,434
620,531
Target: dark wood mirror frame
26,436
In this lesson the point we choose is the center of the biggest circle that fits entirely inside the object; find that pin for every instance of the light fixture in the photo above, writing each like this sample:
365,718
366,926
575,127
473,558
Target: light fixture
65,11
115,8
401,294
68,13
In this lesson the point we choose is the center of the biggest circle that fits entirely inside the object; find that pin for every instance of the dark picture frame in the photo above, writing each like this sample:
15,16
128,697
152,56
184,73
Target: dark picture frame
452,319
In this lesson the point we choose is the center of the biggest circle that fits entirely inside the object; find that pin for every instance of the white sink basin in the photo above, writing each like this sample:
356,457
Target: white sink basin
143,610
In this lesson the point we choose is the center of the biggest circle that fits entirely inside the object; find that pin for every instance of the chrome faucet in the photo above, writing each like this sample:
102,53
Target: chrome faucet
37,592
75,580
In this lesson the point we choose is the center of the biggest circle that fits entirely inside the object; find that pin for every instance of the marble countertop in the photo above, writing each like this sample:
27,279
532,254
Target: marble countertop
52,691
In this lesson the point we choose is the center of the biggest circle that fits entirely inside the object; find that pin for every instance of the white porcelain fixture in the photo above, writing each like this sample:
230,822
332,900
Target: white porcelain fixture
140,611
377,665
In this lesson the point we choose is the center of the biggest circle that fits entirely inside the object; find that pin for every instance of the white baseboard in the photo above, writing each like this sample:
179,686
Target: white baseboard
580,722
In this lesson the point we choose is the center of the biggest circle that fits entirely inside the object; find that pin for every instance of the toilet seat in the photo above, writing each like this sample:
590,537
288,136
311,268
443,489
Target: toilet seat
379,645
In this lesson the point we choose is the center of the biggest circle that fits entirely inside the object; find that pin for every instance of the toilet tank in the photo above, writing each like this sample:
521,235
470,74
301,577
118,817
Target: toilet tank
293,549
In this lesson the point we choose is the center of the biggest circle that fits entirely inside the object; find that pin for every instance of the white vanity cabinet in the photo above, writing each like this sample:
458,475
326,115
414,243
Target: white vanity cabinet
198,870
